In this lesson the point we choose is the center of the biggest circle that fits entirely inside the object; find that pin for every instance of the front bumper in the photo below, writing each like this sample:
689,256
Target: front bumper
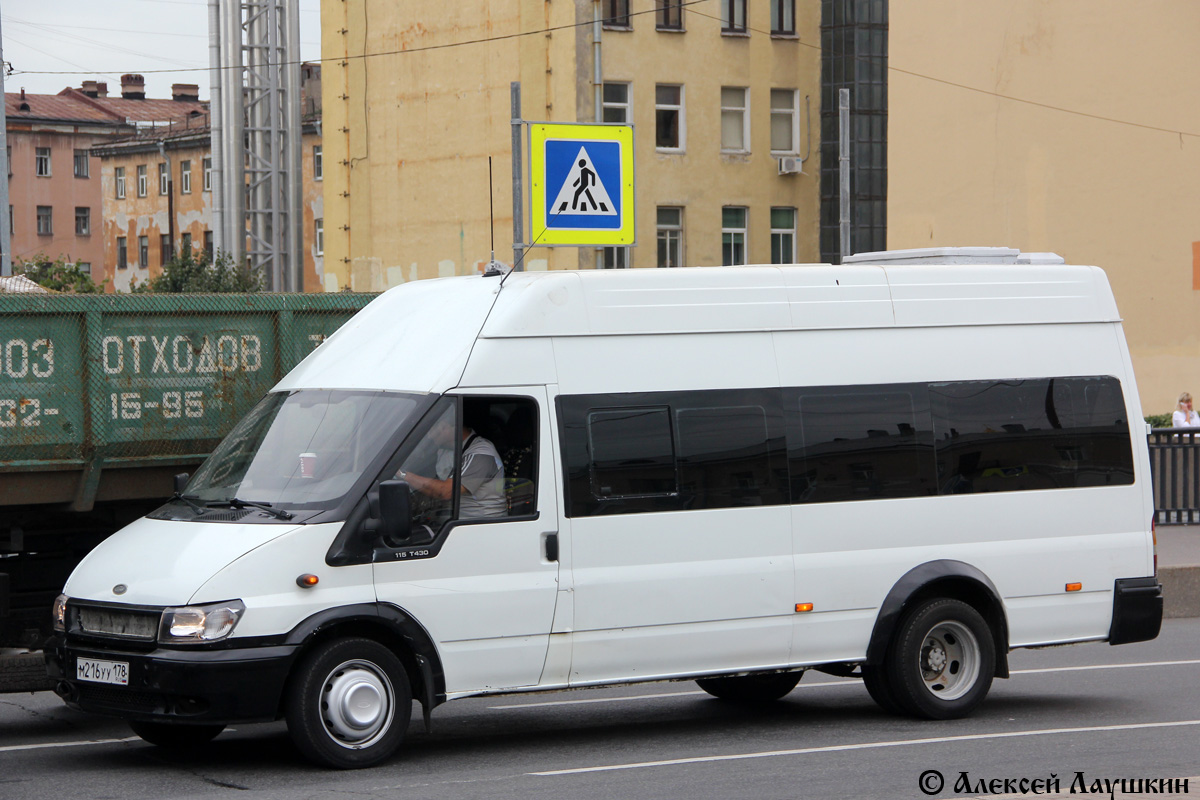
174,685
1137,610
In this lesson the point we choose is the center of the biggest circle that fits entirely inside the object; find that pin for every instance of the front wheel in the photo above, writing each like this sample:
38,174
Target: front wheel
349,704
177,737
751,688
942,660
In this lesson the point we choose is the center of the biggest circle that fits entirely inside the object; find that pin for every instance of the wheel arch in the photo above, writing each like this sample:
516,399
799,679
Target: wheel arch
392,627
942,578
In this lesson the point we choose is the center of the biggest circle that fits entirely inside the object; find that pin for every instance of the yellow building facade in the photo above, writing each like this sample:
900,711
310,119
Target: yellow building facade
417,98
1069,127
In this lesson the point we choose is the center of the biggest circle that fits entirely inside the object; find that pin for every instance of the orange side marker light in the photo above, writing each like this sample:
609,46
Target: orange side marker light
1074,587
307,581
804,606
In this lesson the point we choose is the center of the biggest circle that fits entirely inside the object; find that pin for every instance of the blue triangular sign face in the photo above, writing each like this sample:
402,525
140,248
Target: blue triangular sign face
582,192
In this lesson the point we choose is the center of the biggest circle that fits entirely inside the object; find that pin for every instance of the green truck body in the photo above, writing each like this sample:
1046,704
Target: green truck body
104,398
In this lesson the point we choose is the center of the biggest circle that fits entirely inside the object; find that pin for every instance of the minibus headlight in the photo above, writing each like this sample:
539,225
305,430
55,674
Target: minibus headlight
199,624
58,613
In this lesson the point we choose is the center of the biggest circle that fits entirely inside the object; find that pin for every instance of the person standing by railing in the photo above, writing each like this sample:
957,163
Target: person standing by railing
1185,416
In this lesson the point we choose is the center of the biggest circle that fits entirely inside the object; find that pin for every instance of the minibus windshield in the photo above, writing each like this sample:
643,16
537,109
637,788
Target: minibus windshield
303,449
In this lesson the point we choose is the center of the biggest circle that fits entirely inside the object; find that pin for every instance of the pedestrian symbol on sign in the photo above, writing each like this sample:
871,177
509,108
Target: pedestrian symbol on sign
583,191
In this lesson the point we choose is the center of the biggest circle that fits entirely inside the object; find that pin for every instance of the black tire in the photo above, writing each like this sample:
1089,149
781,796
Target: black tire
751,688
320,719
24,672
880,689
176,737
943,658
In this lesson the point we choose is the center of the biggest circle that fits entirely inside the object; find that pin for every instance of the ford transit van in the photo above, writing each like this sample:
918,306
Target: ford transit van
539,481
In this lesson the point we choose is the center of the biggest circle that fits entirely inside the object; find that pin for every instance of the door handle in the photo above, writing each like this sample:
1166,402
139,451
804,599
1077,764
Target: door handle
551,546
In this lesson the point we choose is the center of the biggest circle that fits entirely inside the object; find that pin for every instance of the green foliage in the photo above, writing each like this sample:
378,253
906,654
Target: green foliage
191,272
1159,420
59,275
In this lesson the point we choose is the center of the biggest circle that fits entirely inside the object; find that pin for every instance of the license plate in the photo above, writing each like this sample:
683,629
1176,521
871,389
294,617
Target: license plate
96,671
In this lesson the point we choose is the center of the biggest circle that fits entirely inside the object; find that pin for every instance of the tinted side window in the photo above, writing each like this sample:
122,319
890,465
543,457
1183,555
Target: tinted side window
1049,433
664,451
860,442
633,452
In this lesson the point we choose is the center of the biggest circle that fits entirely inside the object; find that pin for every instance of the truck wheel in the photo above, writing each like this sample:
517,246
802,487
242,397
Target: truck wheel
24,672
942,661
164,734
751,688
348,704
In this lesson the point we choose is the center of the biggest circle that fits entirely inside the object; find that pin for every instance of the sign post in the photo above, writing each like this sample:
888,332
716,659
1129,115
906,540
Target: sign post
581,185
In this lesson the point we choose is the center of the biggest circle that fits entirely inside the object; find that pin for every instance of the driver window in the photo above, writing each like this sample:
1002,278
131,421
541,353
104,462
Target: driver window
429,471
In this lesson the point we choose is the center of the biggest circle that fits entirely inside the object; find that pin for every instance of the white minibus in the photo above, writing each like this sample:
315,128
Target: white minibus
538,481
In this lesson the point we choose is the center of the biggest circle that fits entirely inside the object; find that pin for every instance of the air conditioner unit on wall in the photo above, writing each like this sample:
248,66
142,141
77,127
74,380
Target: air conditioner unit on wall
791,165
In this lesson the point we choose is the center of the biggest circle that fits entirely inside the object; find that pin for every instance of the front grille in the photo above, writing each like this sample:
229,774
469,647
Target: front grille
115,698
121,623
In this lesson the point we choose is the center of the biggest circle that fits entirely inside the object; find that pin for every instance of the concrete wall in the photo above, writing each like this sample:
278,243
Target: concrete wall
1068,126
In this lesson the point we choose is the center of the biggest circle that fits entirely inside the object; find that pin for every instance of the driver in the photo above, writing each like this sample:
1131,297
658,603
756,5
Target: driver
482,475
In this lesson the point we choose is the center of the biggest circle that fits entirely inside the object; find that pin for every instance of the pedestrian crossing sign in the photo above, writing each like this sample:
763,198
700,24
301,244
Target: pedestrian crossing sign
581,185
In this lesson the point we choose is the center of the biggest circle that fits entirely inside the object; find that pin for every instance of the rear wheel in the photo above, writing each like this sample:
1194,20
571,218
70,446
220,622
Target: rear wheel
349,704
942,661
751,688
876,681
164,734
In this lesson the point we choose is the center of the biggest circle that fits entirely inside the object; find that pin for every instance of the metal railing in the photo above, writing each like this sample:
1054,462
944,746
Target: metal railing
1175,467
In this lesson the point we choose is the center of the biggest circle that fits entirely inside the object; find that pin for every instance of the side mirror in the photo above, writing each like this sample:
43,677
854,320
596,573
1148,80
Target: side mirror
181,482
395,512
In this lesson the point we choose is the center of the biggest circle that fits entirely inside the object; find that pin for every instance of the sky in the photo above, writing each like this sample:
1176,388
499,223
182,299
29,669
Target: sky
104,39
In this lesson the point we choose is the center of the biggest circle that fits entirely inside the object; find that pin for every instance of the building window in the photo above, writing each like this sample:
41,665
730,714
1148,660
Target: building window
616,14
319,236
733,16
84,267
83,221
82,167
207,165
735,119
670,15
164,249
185,242
122,253
208,245
612,258
733,236
119,172
41,162
143,252
785,121
783,236
670,236
10,221
616,103
185,177
783,17
45,221
318,165
142,181
8,159
669,131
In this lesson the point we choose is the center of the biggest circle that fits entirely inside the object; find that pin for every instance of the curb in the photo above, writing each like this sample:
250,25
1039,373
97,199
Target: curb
1181,591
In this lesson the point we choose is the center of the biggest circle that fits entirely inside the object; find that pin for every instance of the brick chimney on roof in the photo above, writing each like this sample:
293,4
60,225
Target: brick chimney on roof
133,87
185,91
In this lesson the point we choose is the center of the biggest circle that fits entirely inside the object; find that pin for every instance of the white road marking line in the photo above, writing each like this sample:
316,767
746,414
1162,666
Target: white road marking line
870,746
824,684
12,747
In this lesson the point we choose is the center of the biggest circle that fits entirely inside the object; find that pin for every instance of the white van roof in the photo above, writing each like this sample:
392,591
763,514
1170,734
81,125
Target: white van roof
418,336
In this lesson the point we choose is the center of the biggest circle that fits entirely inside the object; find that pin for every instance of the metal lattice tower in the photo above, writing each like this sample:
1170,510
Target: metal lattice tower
255,57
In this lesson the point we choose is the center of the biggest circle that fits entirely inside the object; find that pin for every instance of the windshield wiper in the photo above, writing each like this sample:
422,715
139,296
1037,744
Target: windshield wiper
188,499
234,502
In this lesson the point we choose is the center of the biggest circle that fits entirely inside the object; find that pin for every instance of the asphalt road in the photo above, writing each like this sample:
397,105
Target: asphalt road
1107,712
